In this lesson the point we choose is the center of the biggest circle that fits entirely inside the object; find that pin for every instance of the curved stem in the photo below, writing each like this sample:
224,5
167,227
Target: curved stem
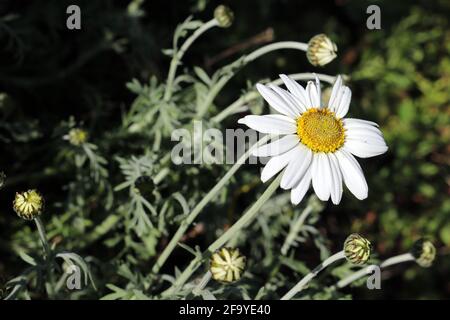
243,62
365,271
199,207
202,284
179,55
302,283
42,236
248,217
295,229
239,103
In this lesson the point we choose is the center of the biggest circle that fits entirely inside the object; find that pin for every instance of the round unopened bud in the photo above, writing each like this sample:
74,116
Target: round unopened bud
357,249
424,252
29,204
224,16
227,265
321,50
77,136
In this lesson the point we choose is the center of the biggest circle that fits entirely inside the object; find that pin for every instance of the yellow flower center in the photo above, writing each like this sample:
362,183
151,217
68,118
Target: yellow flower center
320,130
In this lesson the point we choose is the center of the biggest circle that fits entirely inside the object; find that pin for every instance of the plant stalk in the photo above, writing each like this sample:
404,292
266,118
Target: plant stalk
179,55
199,207
302,283
214,91
248,217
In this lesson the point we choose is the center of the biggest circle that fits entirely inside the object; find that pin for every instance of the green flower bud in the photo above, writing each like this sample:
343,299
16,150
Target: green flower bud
224,16
424,252
357,249
227,265
321,50
29,204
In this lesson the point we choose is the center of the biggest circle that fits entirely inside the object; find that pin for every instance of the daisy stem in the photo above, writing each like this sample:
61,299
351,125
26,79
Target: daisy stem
306,279
246,218
232,108
295,229
202,284
42,236
199,207
241,62
367,270
179,55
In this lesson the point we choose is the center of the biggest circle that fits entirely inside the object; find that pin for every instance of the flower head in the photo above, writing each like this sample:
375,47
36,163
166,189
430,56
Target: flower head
227,265
318,143
224,16
77,136
357,249
424,252
29,204
321,50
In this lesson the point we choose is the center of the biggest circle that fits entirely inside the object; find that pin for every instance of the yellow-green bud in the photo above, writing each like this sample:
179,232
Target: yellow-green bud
224,16
357,249
227,265
77,136
321,50
29,204
424,252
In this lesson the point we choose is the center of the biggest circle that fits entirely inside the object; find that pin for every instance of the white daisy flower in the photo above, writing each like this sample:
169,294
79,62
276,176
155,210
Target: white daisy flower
318,144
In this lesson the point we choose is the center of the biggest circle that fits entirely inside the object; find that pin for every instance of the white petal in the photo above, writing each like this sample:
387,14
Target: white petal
312,93
334,92
321,174
299,191
272,123
288,98
371,134
344,103
297,167
351,121
336,187
275,165
276,101
319,91
297,90
352,174
277,147
362,132
364,149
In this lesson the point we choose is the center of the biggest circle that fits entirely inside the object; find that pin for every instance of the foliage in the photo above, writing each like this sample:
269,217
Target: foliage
117,199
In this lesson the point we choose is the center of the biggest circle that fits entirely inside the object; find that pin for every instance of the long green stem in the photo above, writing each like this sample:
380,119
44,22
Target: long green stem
295,229
302,283
365,271
239,103
179,55
213,92
202,284
199,207
248,217
42,236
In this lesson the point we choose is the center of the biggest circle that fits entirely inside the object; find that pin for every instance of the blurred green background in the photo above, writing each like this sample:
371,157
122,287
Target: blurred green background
399,76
